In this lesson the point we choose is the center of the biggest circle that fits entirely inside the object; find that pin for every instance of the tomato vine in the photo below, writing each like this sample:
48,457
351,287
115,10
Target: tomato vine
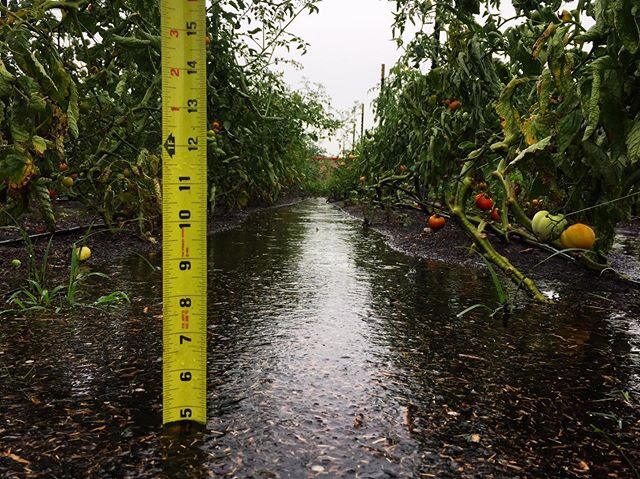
546,110
80,85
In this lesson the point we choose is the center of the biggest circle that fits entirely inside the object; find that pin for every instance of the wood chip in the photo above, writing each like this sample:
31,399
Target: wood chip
15,457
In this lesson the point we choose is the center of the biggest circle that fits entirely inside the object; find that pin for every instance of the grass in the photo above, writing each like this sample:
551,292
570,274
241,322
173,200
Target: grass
37,294
505,306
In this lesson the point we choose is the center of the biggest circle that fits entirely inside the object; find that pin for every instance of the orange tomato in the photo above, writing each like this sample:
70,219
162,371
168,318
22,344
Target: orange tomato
578,236
454,105
436,222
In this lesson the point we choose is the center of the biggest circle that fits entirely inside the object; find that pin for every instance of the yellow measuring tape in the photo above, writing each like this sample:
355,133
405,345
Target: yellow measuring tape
184,223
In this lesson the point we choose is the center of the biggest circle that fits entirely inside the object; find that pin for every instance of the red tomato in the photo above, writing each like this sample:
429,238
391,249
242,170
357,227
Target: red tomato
495,214
483,201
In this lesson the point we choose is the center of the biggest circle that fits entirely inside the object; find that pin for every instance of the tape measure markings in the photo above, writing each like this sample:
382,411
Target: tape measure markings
184,210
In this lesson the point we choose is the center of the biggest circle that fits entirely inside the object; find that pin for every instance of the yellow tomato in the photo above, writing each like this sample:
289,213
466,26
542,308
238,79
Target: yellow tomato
84,253
578,236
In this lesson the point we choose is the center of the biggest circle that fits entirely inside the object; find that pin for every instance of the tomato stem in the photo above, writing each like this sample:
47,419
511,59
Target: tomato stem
483,242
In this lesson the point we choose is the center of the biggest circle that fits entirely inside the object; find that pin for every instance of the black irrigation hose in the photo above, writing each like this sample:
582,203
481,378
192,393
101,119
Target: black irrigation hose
49,233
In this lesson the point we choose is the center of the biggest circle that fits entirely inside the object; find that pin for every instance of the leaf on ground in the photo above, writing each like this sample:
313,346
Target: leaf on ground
583,466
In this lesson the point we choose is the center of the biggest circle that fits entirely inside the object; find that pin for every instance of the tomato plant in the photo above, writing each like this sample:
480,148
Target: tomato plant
551,113
80,87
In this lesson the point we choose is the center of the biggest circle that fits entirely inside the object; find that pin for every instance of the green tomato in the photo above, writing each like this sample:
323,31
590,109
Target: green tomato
548,227
16,262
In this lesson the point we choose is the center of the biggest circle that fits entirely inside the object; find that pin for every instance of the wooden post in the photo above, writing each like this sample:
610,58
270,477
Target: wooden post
381,103
361,122
353,138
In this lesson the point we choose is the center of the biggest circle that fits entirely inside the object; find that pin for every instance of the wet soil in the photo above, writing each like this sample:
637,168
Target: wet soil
406,231
331,355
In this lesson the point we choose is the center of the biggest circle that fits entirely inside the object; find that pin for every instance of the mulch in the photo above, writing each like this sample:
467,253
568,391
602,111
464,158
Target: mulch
406,230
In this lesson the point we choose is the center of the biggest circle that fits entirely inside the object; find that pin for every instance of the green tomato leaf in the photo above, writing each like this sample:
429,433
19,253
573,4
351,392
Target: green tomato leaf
592,108
39,145
72,110
509,115
541,145
6,80
626,25
633,143
568,128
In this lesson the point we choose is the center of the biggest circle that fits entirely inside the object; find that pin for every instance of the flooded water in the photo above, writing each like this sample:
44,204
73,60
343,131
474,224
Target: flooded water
330,355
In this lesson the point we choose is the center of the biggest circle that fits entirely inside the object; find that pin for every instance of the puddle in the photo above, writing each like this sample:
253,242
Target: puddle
330,355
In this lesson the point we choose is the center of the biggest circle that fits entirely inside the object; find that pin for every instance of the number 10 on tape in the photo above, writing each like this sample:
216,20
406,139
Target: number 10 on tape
184,210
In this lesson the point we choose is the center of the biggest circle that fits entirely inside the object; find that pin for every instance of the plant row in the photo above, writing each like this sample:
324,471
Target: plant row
80,107
491,120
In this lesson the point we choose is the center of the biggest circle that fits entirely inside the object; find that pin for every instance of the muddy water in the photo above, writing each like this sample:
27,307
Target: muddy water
330,355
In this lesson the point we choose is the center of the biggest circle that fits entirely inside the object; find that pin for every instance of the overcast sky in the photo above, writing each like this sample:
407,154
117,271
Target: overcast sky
349,40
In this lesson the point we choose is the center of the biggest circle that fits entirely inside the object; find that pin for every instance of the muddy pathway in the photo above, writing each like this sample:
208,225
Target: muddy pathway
330,355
